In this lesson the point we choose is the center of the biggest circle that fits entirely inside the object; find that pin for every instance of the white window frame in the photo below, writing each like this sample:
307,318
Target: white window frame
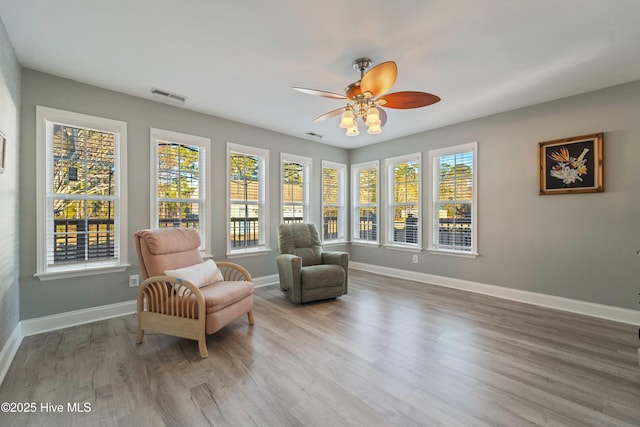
340,206
434,156
355,202
306,178
45,120
162,135
390,163
263,246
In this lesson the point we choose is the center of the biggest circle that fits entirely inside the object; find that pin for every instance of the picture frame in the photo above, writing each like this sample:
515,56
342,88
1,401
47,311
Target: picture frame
571,165
3,150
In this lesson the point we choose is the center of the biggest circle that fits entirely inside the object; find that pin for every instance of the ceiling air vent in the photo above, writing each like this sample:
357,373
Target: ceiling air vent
315,135
168,96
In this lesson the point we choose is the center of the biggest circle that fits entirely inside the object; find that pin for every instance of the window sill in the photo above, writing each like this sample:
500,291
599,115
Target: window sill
460,254
88,271
247,253
365,243
334,242
403,248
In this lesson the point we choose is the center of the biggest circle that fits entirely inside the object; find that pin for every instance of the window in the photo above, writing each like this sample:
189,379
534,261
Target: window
81,182
333,195
296,171
453,210
364,213
404,190
178,181
246,199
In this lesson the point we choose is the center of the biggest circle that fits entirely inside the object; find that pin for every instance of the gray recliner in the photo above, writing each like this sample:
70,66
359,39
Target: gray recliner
306,272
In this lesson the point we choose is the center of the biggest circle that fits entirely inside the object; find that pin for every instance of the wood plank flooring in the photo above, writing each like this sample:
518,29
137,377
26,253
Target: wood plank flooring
392,352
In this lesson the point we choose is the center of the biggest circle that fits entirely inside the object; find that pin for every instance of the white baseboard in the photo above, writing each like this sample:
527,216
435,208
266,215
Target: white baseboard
602,311
77,317
9,350
272,279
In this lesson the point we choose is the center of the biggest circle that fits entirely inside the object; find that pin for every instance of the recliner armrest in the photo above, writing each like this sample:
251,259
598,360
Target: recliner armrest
341,259
290,272
336,257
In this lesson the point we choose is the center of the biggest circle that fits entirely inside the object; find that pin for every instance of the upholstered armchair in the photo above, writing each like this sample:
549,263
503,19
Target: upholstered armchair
307,273
184,296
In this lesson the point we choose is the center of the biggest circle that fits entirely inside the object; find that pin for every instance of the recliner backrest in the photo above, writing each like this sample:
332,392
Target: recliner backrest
300,240
162,249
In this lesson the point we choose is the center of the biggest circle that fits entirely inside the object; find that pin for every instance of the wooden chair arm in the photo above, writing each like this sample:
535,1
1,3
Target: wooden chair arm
233,272
171,296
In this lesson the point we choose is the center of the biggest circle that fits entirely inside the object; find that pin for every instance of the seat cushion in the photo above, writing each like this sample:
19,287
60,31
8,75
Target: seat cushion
222,294
321,276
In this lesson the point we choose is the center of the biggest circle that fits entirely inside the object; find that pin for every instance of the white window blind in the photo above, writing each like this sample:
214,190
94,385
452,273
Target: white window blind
364,181
454,199
405,200
246,189
333,201
81,175
178,181
296,171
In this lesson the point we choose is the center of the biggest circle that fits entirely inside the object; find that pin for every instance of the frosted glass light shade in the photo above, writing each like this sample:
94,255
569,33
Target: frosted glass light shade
347,120
373,116
353,130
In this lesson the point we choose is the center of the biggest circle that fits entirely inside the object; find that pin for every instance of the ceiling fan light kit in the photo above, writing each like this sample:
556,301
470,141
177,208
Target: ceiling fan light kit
365,97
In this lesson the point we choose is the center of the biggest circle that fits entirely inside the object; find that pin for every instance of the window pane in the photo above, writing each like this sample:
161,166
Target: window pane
292,213
292,182
330,185
405,224
83,161
456,176
245,198
367,224
330,222
454,225
244,181
368,184
405,186
179,193
83,164
83,230
245,225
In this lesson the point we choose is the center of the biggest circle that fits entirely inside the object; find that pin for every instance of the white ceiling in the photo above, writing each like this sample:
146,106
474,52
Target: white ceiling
239,59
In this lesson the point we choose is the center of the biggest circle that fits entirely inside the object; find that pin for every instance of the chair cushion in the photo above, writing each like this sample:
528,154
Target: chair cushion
169,240
222,294
200,275
320,276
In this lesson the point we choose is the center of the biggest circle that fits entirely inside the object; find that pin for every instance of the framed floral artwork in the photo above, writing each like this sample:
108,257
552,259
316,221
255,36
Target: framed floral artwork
571,165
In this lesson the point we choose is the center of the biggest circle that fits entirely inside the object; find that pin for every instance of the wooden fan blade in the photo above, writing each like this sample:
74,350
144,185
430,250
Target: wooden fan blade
330,114
379,79
408,99
322,93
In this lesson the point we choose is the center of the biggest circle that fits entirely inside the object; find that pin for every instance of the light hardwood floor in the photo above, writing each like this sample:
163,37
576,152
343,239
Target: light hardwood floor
392,352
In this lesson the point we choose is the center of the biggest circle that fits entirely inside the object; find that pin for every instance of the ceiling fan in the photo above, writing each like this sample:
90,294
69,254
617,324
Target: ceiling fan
365,97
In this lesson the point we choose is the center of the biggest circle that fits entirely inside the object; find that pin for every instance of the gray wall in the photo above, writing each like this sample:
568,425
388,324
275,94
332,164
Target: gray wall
39,298
9,123
578,246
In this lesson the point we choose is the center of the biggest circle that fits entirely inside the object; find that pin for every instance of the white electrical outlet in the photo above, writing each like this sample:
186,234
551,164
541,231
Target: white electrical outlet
134,280
415,259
